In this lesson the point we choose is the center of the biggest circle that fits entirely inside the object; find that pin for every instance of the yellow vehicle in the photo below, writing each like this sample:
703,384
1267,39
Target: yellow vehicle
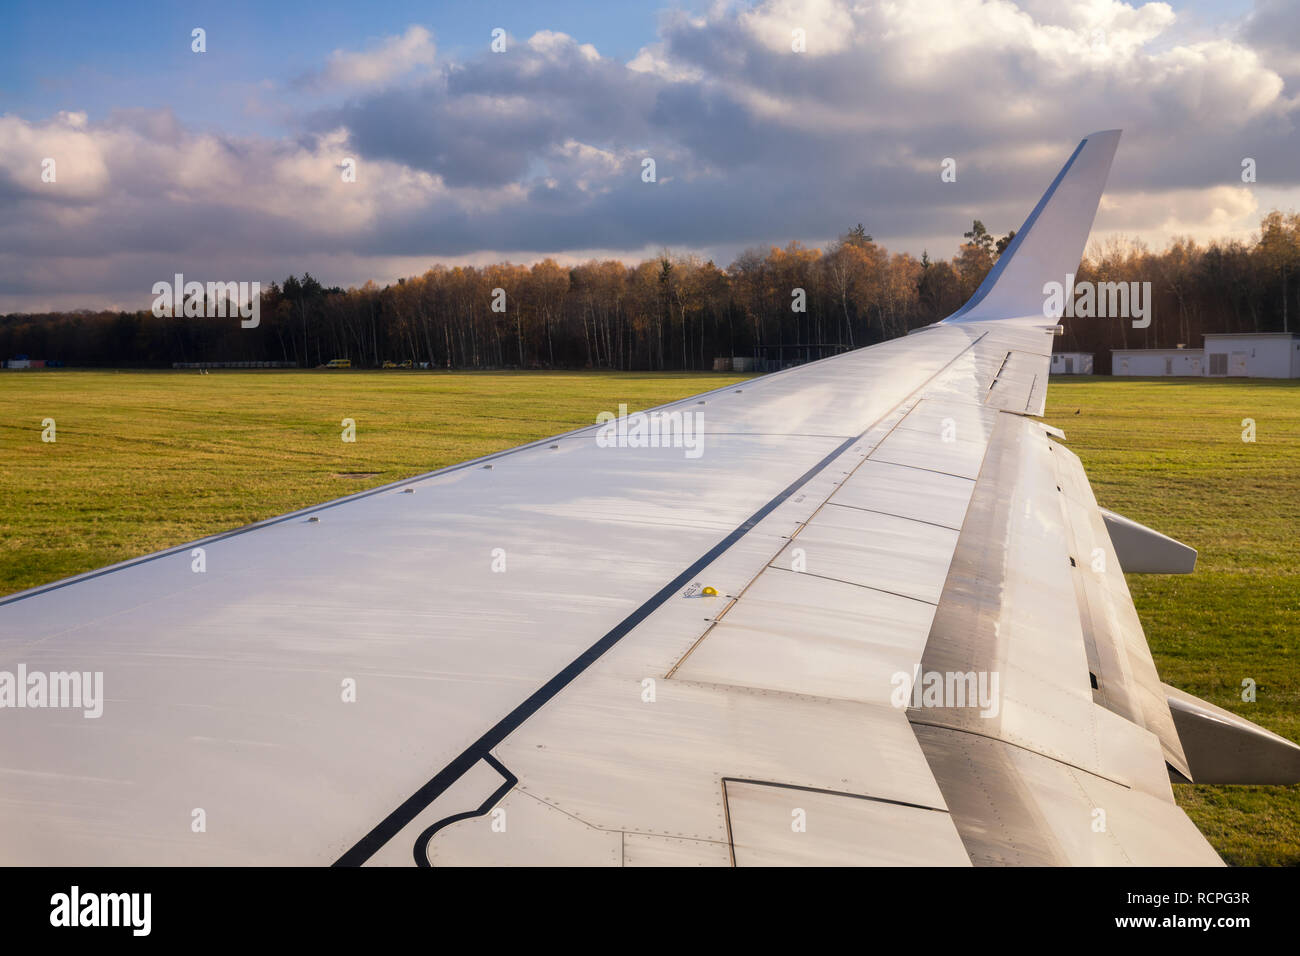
390,365
339,363
406,364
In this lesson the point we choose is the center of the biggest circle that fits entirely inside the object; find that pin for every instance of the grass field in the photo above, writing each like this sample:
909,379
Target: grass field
146,460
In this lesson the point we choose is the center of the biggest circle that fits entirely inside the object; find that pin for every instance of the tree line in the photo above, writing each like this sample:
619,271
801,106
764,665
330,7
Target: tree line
678,312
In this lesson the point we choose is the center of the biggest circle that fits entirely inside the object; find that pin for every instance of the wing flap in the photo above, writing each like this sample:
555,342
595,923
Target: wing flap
1223,747
1119,658
1015,807
1143,551
1015,608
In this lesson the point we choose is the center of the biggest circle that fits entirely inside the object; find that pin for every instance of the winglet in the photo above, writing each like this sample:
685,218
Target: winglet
1050,243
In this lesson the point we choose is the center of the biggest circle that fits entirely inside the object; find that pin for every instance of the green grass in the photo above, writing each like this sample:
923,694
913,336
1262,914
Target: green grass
148,460
1169,453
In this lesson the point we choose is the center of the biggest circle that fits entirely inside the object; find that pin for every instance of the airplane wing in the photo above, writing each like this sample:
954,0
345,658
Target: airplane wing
862,611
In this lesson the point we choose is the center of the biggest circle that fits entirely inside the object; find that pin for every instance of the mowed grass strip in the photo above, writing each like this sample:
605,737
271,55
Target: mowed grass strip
148,460
1169,453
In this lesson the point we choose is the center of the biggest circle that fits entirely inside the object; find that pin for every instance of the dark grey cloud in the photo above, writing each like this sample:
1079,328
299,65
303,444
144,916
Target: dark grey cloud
487,122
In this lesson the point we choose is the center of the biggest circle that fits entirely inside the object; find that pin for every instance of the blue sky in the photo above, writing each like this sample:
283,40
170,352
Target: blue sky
227,163
94,56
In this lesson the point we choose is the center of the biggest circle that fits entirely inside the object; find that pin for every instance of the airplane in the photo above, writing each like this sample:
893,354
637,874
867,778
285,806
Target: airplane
879,619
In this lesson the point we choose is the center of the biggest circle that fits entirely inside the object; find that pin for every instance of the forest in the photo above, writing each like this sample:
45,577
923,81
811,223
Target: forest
677,312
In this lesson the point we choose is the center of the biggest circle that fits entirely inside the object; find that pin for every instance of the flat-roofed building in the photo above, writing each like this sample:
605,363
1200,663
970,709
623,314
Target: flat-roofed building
1157,362
1253,354
1226,355
1071,363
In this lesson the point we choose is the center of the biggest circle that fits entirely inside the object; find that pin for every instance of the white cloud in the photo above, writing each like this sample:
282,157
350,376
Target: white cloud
394,57
80,171
555,45
827,25
651,59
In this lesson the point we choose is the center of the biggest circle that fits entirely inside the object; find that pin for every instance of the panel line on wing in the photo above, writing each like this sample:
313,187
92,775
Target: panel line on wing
1092,771
832,793
856,584
890,514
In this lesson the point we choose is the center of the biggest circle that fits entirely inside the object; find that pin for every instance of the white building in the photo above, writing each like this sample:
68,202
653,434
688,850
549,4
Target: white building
1253,354
1226,354
1157,362
1071,363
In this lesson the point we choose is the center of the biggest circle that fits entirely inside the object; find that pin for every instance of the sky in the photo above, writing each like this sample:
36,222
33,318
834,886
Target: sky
228,164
